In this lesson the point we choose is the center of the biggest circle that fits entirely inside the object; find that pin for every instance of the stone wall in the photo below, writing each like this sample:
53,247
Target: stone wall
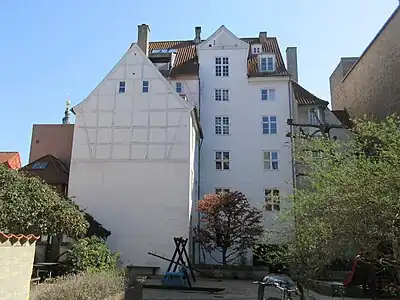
16,262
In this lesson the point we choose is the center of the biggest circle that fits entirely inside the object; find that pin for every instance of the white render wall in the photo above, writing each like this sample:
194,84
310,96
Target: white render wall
131,161
246,141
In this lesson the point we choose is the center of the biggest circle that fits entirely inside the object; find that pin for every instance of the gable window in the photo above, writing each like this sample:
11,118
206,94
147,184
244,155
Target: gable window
122,87
313,116
268,94
221,95
145,86
222,66
222,125
267,64
256,49
272,200
271,161
222,160
40,165
179,87
269,125
222,190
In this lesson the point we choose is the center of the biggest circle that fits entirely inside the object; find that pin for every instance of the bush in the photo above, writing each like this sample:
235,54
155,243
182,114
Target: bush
84,286
91,254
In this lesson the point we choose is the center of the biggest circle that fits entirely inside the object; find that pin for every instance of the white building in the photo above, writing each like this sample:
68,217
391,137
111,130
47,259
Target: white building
139,163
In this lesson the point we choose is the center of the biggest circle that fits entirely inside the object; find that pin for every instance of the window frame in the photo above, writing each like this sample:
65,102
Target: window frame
145,87
270,160
312,117
222,160
122,87
267,59
269,122
222,127
180,85
266,94
272,202
221,95
221,66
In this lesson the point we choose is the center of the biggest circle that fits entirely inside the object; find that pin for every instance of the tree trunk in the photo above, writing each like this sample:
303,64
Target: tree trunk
224,251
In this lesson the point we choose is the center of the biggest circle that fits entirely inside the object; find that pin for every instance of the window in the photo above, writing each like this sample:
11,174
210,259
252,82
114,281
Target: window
122,87
221,95
269,125
222,66
179,87
222,190
256,50
267,64
268,94
313,116
272,200
40,165
271,161
222,125
222,160
145,87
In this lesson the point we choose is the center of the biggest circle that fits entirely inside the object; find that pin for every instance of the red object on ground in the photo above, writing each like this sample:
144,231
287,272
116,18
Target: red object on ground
350,277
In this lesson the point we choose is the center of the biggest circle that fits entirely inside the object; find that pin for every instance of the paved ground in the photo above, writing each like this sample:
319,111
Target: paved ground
234,289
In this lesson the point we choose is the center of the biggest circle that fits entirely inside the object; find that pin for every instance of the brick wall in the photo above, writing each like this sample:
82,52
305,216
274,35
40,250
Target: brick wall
373,85
16,261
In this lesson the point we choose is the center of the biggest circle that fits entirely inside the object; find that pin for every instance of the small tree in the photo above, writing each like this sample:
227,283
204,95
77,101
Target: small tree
228,223
30,206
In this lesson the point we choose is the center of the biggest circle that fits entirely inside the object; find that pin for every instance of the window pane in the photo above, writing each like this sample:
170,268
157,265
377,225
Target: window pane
225,130
265,128
264,94
265,119
267,165
267,155
275,193
218,165
226,165
270,63
267,193
218,71
274,155
225,60
225,95
271,94
218,95
273,128
218,60
218,130
218,155
275,165
217,120
272,119
226,155
225,120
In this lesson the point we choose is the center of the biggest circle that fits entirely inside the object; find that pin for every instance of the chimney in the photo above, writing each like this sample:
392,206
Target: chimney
291,62
263,37
197,33
143,38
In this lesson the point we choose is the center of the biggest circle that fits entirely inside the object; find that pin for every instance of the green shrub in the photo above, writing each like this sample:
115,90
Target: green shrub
84,286
91,254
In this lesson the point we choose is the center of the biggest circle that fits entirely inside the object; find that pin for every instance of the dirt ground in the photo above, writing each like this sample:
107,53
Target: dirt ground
234,290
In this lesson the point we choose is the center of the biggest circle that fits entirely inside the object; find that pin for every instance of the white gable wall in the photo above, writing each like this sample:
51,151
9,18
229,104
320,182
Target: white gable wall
131,161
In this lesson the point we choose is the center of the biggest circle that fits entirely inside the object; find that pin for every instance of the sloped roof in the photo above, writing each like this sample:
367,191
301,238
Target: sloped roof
18,237
12,159
304,97
49,168
186,60
343,116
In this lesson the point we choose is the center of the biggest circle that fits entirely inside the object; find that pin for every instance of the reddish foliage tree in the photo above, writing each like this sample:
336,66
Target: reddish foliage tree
228,224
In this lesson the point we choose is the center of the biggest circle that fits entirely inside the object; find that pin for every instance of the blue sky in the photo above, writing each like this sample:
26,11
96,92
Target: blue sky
52,48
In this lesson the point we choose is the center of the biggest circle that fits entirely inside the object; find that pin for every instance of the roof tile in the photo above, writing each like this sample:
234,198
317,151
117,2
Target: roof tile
304,97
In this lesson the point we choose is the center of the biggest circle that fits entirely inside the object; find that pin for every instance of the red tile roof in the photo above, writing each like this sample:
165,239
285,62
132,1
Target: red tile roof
11,159
18,237
304,97
186,57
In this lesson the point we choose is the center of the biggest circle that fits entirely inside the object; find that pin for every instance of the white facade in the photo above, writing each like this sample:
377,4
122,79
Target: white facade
133,160
245,141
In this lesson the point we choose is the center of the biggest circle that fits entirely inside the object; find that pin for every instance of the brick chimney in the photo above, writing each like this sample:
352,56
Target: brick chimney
263,37
291,62
197,35
143,38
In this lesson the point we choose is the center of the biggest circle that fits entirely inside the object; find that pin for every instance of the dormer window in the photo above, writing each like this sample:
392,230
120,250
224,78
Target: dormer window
267,63
256,49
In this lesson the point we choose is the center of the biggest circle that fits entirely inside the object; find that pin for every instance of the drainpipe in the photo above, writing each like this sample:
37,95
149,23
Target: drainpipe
198,167
291,134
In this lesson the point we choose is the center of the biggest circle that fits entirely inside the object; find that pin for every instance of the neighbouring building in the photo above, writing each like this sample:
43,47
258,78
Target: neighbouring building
370,84
11,160
49,159
173,121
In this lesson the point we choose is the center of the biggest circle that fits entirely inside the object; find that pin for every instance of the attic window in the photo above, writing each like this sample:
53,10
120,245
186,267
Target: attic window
256,49
267,63
163,51
40,165
122,87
